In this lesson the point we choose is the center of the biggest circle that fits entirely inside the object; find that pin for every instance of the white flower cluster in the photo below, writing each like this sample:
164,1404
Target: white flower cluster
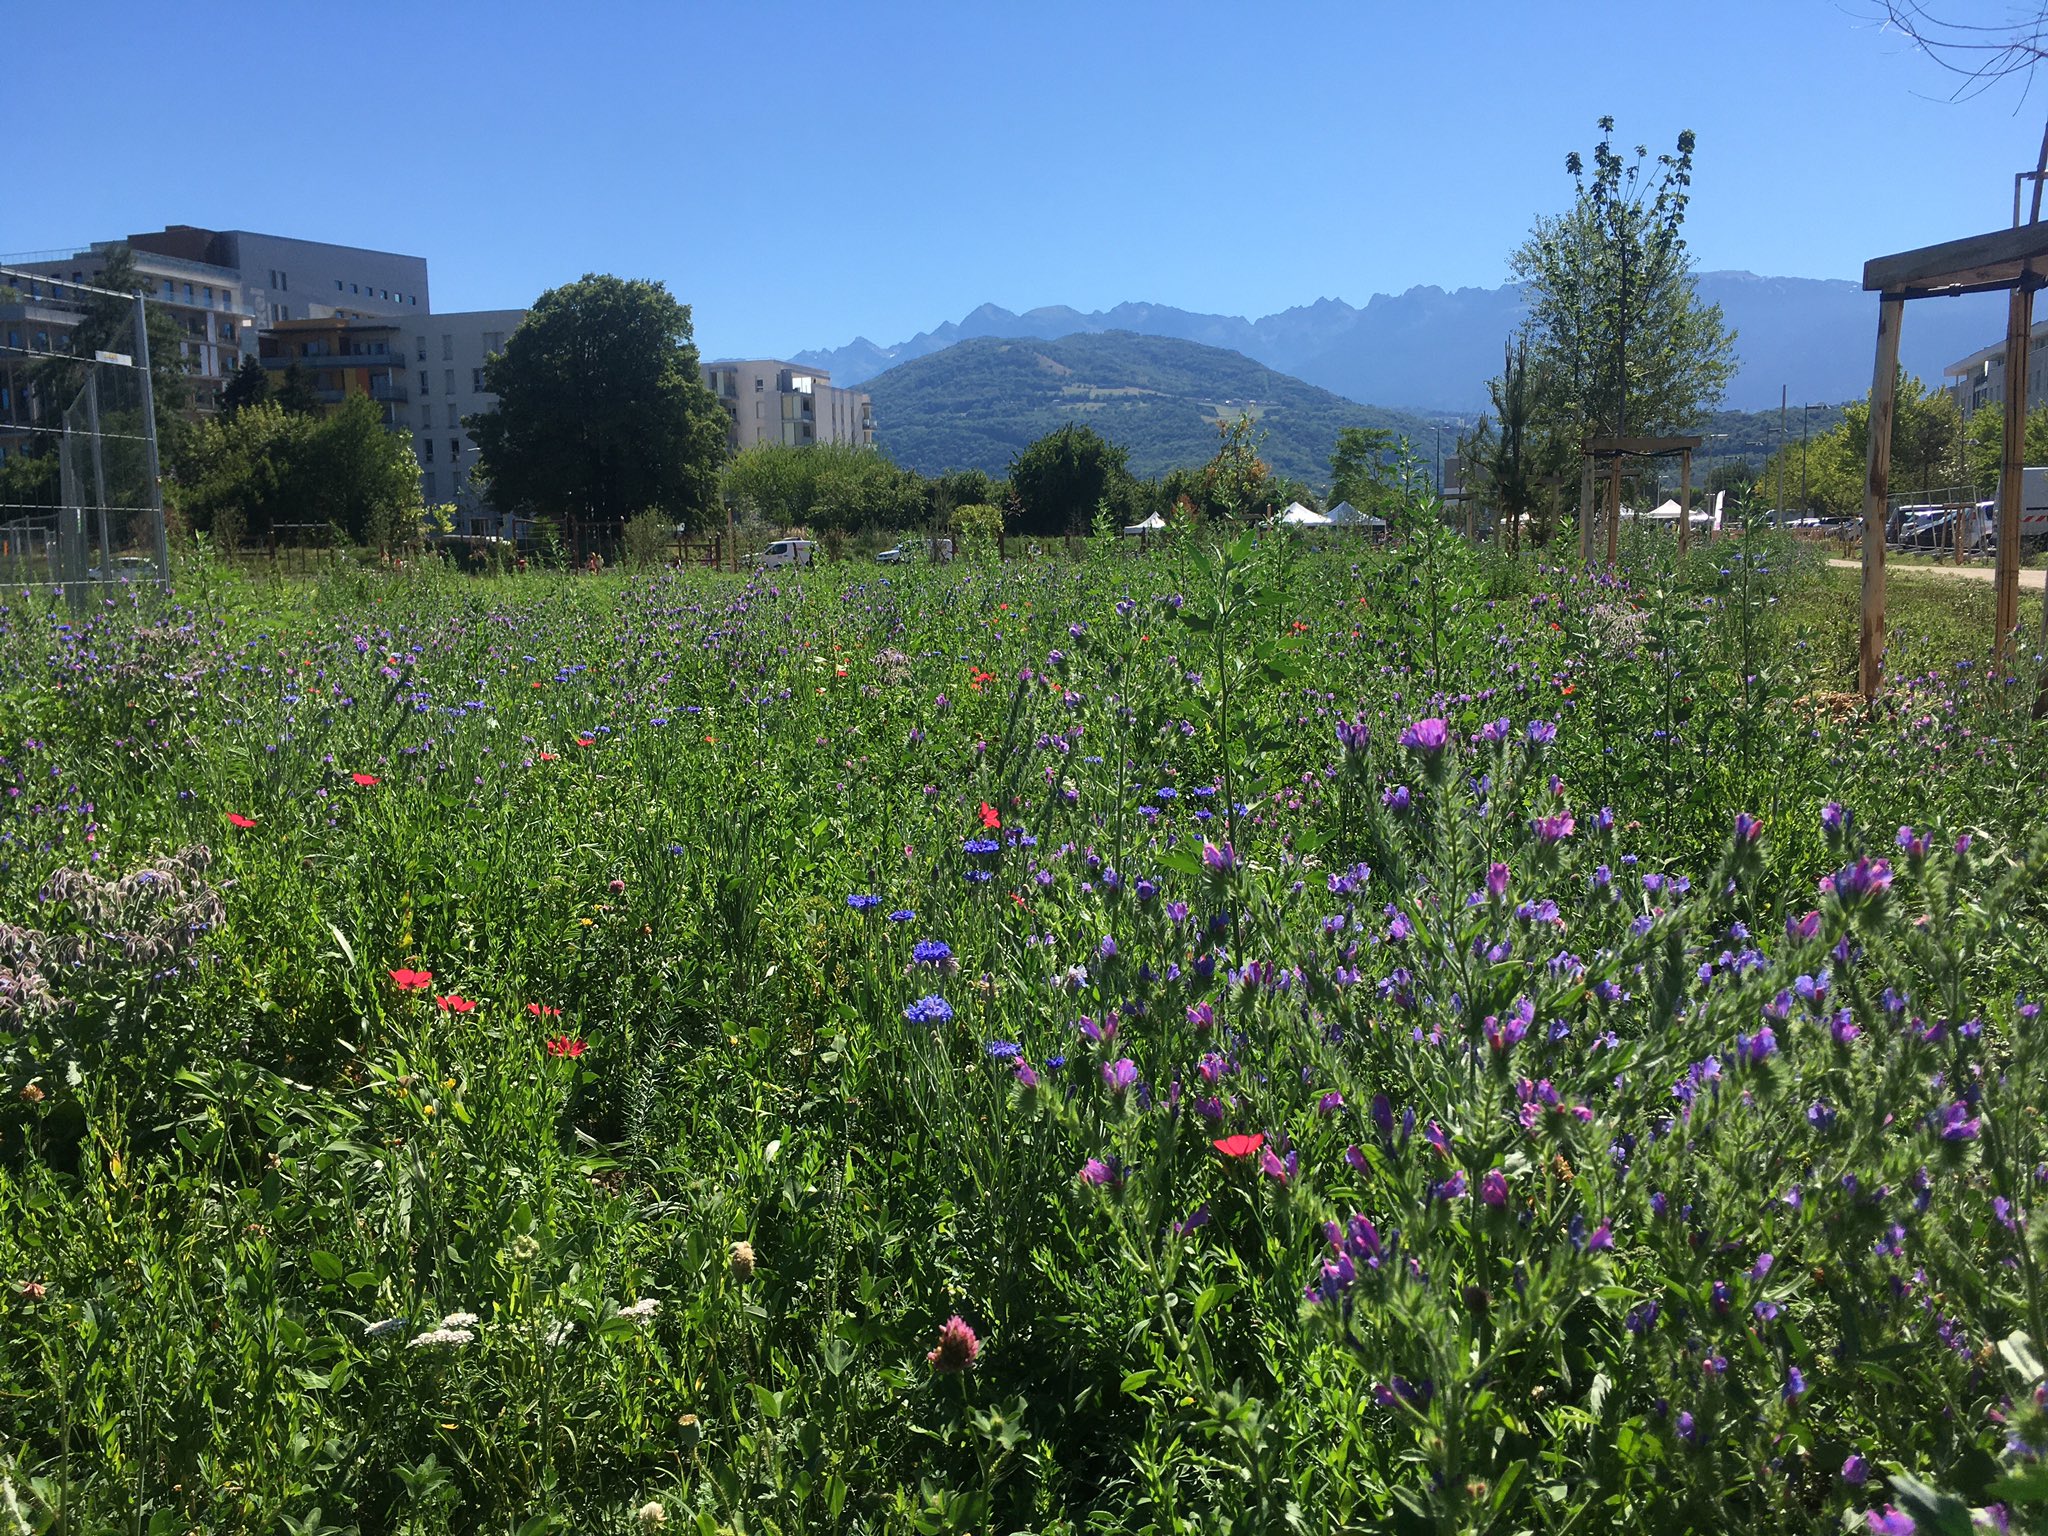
443,1338
383,1330
641,1312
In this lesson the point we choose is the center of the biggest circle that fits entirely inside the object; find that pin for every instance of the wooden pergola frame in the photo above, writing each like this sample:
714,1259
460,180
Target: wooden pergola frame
1614,450
2011,261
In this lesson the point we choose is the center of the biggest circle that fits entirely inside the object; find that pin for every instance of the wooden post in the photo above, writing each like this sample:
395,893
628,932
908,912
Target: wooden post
1614,511
2019,321
1586,509
1684,500
1884,384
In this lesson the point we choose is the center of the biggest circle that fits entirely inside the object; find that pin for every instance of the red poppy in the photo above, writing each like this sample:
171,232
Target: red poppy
567,1045
586,741
543,1011
1240,1145
455,1002
365,780
1300,628
412,981
989,818
237,820
547,757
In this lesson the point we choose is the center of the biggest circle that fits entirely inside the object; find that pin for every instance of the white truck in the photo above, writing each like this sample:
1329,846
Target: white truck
784,552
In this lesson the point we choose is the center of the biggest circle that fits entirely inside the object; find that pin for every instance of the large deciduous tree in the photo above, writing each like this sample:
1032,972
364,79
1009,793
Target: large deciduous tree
601,410
1057,482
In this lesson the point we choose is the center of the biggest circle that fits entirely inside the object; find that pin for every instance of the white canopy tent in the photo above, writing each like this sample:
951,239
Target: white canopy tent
1153,524
1345,515
1299,516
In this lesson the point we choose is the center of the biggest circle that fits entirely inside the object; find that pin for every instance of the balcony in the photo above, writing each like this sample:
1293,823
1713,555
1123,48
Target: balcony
386,390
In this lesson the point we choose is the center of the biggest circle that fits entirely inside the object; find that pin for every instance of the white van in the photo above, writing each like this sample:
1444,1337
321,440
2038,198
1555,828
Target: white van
784,552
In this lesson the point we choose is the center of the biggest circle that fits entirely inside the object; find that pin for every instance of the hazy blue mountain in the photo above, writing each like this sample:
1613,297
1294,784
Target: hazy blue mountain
1433,349
973,404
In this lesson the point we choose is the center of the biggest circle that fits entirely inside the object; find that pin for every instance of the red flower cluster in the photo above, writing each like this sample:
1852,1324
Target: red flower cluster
989,818
455,1002
364,780
567,1045
1240,1145
412,981
543,1011
235,819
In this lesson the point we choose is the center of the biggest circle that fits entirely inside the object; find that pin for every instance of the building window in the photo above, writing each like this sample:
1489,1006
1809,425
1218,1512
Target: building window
448,381
284,281
759,383
447,349
337,285
476,380
454,450
188,293
422,348
433,490
427,449
424,385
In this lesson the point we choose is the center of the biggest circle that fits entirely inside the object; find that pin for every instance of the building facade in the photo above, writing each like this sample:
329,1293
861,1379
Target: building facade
288,279
766,401
342,357
446,380
1979,379
31,330
216,313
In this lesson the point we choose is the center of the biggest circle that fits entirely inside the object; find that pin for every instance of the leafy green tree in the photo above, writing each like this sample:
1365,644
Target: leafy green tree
1365,471
601,410
1517,464
1057,482
823,486
250,385
1615,320
963,488
1237,483
261,467
1984,447
295,392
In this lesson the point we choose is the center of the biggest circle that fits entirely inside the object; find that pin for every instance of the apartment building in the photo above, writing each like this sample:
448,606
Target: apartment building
30,331
446,380
1979,379
341,357
766,401
290,279
215,311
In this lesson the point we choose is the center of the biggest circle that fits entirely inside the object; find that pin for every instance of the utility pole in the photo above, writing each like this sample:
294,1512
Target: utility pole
1784,441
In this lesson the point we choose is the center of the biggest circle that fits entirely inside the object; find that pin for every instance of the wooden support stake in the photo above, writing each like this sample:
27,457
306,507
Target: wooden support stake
1614,512
1684,500
1884,385
2019,320
1586,509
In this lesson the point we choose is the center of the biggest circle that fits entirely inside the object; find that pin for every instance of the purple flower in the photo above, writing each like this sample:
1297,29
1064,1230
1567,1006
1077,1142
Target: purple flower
1493,1188
1800,929
1753,1050
1218,861
1541,733
1856,882
1554,829
1688,1430
1330,1103
1795,1385
1353,737
1762,1266
1452,1188
1855,1471
1602,1239
1497,880
929,1010
1426,736
1026,1076
863,903
1003,1050
1890,1522
1747,828
1957,1124
1834,819
1119,1075
931,952
1095,1171
1396,799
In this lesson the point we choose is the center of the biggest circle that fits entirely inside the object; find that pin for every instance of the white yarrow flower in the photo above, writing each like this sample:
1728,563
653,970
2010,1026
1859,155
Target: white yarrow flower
383,1330
460,1320
443,1338
641,1312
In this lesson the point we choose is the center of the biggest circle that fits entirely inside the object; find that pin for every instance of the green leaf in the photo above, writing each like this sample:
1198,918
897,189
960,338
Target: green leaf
1136,1381
326,1265
1932,1509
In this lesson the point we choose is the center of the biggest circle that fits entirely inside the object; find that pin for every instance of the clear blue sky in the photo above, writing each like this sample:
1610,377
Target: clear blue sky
802,173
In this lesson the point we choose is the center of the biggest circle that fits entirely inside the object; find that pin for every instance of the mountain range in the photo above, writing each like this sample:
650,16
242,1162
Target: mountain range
975,403
1433,350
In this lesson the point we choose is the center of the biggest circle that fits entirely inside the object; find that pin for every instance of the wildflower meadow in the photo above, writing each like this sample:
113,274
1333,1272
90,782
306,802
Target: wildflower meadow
1239,1037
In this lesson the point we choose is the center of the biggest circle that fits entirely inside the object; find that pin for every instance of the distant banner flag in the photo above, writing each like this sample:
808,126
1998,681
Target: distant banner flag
120,358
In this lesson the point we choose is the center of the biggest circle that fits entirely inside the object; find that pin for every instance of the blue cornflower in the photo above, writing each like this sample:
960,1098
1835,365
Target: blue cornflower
1003,1050
981,846
931,952
903,915
929,1010
863,903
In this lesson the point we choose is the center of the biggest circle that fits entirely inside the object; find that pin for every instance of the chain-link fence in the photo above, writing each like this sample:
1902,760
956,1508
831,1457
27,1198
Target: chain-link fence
80,496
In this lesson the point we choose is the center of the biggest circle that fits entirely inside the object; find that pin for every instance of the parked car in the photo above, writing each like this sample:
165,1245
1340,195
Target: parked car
898,554
916,549
784,552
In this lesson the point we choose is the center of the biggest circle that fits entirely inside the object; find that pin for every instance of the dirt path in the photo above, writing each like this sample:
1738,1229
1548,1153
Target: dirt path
2029,580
